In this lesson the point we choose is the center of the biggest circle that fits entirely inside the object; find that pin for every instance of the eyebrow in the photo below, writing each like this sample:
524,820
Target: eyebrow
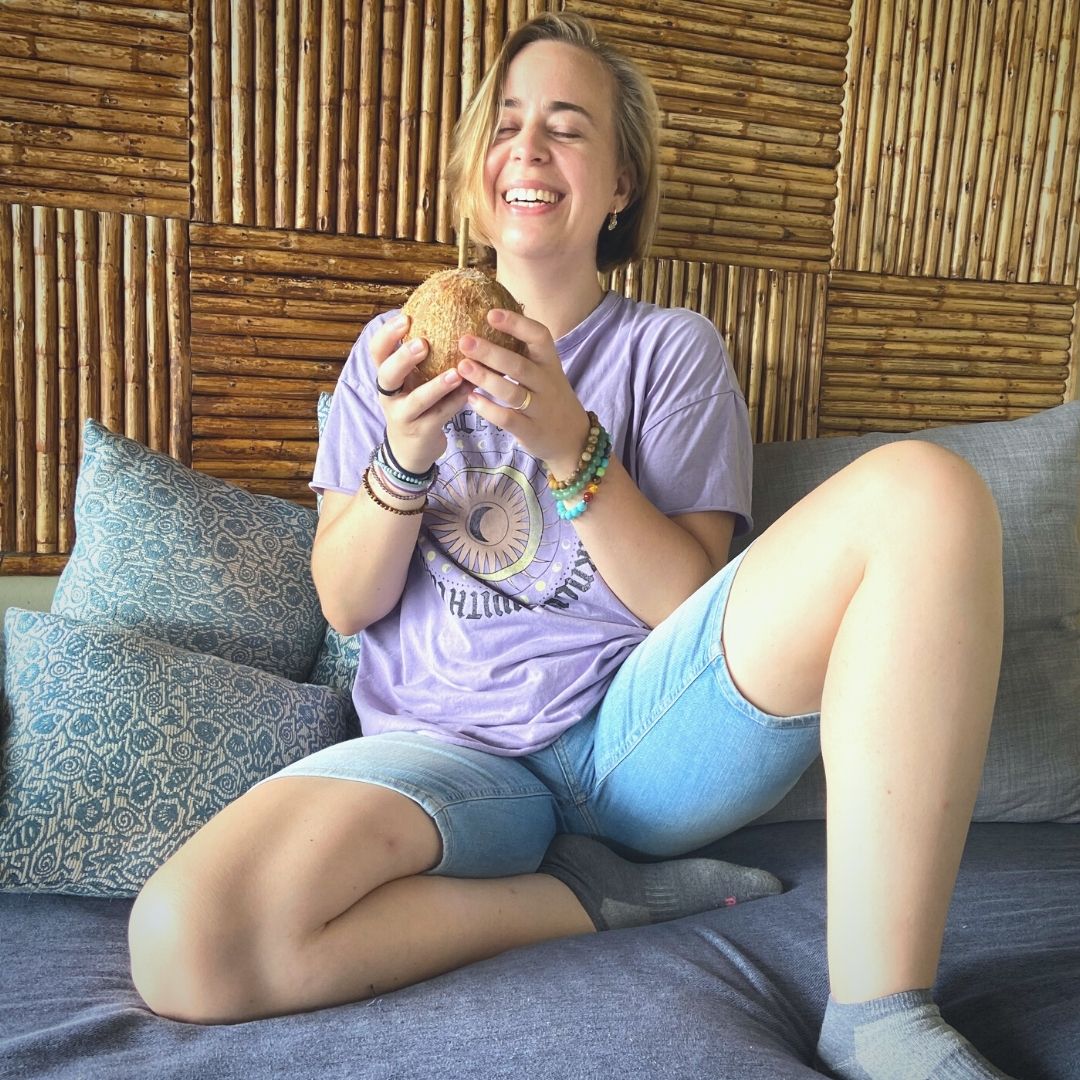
555,106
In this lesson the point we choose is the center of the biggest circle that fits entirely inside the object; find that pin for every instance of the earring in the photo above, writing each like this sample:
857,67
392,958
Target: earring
613,220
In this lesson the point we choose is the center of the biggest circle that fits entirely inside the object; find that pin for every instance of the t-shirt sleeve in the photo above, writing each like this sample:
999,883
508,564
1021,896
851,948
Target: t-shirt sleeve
694,449
354,424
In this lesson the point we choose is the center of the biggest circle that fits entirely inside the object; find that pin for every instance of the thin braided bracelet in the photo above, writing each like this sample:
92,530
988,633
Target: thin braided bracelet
384,484
392,509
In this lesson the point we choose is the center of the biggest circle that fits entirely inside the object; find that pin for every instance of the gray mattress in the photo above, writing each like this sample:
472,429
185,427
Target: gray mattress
730,994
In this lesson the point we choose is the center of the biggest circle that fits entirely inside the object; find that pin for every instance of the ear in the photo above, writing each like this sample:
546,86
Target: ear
624,191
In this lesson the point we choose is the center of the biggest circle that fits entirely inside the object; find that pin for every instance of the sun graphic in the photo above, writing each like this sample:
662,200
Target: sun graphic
489,519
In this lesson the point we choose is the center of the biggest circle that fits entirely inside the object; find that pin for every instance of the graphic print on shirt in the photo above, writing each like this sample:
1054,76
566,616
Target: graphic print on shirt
490,518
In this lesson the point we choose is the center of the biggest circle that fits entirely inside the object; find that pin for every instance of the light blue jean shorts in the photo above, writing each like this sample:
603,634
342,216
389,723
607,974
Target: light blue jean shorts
672,759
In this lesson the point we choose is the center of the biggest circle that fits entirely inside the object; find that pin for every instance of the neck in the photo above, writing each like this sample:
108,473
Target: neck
559,299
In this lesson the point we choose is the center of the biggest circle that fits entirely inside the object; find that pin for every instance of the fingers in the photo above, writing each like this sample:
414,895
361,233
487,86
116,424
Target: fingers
535,335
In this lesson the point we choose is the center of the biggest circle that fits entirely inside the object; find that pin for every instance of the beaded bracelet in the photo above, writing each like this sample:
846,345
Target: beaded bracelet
410,481
599,458
572,497
592,440
386,506
389,489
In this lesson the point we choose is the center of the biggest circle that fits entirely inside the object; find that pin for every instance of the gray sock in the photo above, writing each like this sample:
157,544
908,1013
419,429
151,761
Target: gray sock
899,1037
617,893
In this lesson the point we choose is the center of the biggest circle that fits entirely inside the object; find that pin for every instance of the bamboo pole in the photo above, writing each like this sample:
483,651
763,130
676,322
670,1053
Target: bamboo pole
494,19
942,17
329,115
220,125
179,304
86,307
893,150
8,489
307,116
917,122
285,43
242,121
996,111
449,110
517,12
67,449
408,120
46,380
370,69
157,337
1050,188
23,295
471,49
389,112
769,310
1062,267
134,348
350,117
110,319
428,148
264,112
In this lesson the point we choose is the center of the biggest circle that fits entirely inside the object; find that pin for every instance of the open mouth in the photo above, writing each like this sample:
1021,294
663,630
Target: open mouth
531,197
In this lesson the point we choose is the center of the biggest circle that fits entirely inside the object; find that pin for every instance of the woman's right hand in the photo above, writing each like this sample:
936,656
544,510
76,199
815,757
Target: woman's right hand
416,416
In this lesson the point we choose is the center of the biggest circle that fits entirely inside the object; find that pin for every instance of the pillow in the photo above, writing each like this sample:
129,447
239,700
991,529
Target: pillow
1032,465
119,747
338,656
190,559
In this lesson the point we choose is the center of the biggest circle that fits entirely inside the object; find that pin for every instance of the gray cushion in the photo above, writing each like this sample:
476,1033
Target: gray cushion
1032,466
190,559
119,747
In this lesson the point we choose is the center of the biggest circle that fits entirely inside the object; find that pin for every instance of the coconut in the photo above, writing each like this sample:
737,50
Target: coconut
452,303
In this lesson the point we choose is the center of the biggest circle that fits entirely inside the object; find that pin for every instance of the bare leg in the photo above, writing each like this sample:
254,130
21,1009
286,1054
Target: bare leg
881,593
303,893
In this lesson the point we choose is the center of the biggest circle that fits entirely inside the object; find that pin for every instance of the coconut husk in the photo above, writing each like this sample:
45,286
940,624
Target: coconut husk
452,303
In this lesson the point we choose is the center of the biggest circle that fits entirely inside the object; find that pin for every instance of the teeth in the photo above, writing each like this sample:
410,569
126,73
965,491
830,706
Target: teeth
530,195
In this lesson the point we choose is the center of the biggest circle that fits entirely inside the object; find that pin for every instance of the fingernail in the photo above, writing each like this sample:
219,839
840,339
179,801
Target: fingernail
496,315
468,342
399,323
416,347
451,376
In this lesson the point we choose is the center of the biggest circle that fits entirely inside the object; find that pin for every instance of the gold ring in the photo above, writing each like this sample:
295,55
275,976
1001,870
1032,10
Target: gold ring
525,404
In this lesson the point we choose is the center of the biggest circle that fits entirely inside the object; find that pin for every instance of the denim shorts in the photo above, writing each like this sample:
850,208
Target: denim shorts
672,759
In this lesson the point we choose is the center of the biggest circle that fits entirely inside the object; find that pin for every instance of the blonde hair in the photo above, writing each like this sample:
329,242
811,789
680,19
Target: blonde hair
636,139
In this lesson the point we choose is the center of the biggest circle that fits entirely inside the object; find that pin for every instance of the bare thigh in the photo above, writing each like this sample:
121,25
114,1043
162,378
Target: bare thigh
797,580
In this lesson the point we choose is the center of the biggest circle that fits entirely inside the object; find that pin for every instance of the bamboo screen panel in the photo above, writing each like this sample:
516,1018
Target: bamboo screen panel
94,105
961,148
877,202
93,322
273,313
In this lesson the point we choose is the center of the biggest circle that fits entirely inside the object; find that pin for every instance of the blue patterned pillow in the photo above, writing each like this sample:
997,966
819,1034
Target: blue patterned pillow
190,559
119,747
339,656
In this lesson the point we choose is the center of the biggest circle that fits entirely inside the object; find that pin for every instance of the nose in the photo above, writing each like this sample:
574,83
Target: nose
529,145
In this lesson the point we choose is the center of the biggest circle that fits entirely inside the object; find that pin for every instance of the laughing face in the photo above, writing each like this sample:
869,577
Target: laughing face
551,177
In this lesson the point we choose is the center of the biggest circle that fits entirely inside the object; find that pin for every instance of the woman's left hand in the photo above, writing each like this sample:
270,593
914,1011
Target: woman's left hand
542,411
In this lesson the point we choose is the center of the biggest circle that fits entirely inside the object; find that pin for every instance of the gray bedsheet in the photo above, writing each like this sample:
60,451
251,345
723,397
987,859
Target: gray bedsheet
731,995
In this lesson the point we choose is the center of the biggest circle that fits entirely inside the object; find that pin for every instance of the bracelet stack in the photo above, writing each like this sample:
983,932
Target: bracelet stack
399,490
572,497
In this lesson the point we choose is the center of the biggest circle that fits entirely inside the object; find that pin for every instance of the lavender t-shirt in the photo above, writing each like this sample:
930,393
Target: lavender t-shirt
505,635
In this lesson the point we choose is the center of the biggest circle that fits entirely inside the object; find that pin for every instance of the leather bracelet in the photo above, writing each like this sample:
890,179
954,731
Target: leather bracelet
378,502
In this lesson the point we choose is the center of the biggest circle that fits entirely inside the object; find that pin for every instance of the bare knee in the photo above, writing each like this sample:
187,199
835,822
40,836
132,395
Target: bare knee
184,948
933,491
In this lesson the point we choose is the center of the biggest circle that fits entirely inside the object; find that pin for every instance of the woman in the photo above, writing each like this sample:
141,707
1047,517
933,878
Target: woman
563,654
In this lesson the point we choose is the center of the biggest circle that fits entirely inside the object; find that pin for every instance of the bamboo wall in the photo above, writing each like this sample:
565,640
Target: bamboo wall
877,202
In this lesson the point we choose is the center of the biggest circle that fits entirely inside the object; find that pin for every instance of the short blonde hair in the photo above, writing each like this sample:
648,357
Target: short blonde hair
636,139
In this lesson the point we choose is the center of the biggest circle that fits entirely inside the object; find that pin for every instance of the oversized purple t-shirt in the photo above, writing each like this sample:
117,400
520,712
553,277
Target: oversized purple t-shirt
505,635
